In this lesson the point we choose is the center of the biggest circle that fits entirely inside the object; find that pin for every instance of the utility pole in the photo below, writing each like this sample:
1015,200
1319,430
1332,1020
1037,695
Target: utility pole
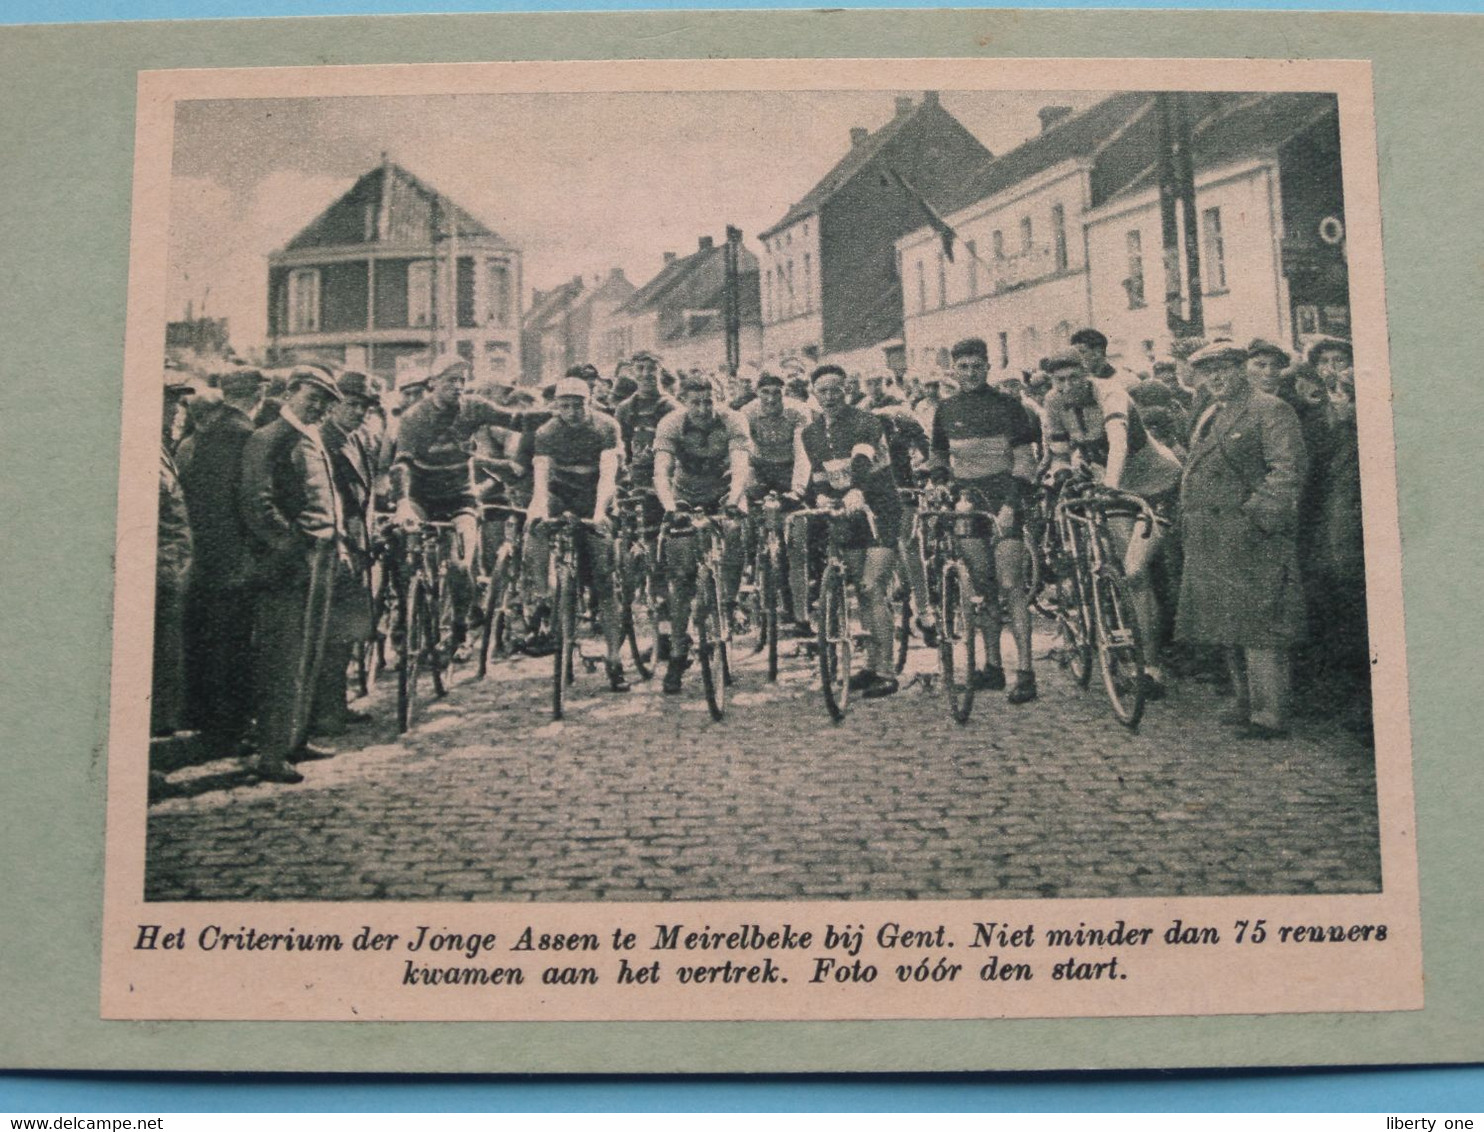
732,302
1178,220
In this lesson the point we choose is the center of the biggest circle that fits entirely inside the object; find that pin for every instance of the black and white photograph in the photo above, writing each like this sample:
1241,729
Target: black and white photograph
760,495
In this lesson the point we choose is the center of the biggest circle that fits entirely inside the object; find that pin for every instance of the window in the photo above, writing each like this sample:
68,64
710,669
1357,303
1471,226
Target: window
498,296
1025,235
1059,235
304,300
973,267
1004,349
997,241
942,280
921,288
1214,251
1134,284
808,282
420,293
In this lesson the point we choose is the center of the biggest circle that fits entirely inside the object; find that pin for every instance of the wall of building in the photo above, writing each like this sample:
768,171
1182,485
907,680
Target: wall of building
791,318
1252,299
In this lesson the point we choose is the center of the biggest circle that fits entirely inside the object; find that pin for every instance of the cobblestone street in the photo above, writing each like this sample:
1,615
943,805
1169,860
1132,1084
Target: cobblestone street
643,797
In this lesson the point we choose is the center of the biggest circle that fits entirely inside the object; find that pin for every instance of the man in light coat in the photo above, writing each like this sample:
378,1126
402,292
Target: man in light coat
1239,497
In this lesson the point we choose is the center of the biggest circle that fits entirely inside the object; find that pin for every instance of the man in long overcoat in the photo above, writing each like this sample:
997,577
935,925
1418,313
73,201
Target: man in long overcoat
289,504
350,610
219,606
1239,496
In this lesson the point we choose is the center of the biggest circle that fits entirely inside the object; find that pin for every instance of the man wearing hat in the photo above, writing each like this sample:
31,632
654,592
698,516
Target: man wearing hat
350,607
172,571
702,459
219,609
288,501
1333,360
1241,585
1265,365
984,441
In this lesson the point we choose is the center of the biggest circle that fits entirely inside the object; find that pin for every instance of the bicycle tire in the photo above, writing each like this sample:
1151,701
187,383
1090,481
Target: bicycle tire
564,629
1120,652
835,642
414,618
489,614
711,650
957,653
904,621
640,618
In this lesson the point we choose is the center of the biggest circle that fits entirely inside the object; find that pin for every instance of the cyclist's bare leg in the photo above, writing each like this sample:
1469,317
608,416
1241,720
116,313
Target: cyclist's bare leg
1010,569
600,552
680,574
916,574
982,571
1133,551
871,570
462,564
731,561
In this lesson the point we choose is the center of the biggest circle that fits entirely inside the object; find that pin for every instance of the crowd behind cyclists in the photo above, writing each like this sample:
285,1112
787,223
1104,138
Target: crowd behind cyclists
271,490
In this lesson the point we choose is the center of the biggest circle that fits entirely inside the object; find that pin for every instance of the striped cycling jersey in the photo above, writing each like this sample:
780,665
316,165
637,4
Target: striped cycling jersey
983,434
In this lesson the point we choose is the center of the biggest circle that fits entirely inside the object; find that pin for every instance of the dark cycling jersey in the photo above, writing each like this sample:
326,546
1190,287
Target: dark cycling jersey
986,441
702,454
432,443
575,452
638,418
851,452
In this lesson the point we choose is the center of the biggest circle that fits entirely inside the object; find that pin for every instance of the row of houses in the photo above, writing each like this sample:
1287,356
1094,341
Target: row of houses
917,236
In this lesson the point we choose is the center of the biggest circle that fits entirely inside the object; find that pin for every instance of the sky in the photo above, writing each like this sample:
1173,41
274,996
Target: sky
580,183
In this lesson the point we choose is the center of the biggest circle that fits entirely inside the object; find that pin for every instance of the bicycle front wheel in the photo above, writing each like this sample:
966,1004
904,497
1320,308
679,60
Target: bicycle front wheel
711,648
564,634
640,616
904,619
1120,653
835,642
769,590
956,643
491,624
415,617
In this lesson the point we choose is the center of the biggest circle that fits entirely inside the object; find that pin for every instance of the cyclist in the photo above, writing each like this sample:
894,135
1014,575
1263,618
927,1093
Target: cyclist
702,457
431,479
574,469
843,456
1096,424
907,444
774,424
985,442
1092,347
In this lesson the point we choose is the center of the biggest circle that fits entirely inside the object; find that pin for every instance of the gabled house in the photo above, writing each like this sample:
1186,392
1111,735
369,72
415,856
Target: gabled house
391,274
548,342
1065,231
680,313
831,286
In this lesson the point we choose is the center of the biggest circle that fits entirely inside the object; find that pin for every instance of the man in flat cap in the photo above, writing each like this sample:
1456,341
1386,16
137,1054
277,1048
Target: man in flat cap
1239,497
1265,365
290,507
219,611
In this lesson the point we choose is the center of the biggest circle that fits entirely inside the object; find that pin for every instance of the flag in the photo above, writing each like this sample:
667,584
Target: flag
939,225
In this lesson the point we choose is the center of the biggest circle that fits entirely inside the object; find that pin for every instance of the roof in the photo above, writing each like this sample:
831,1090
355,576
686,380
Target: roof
1242,125
858,157
403,210
554,302
695,284
1075,136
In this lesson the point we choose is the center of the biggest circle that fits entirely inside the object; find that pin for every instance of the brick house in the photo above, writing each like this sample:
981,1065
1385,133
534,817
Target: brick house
831,287
389,275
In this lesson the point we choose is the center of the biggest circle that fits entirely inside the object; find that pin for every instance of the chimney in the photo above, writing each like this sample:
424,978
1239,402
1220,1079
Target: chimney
669,257
904,104
615,273
706,244
1051,115
858,134
930,98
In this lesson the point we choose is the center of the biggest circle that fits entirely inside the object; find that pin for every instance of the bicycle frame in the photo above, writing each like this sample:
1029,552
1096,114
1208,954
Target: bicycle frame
944,520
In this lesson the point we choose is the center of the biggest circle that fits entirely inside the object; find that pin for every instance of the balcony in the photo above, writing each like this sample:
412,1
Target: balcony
1025,268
